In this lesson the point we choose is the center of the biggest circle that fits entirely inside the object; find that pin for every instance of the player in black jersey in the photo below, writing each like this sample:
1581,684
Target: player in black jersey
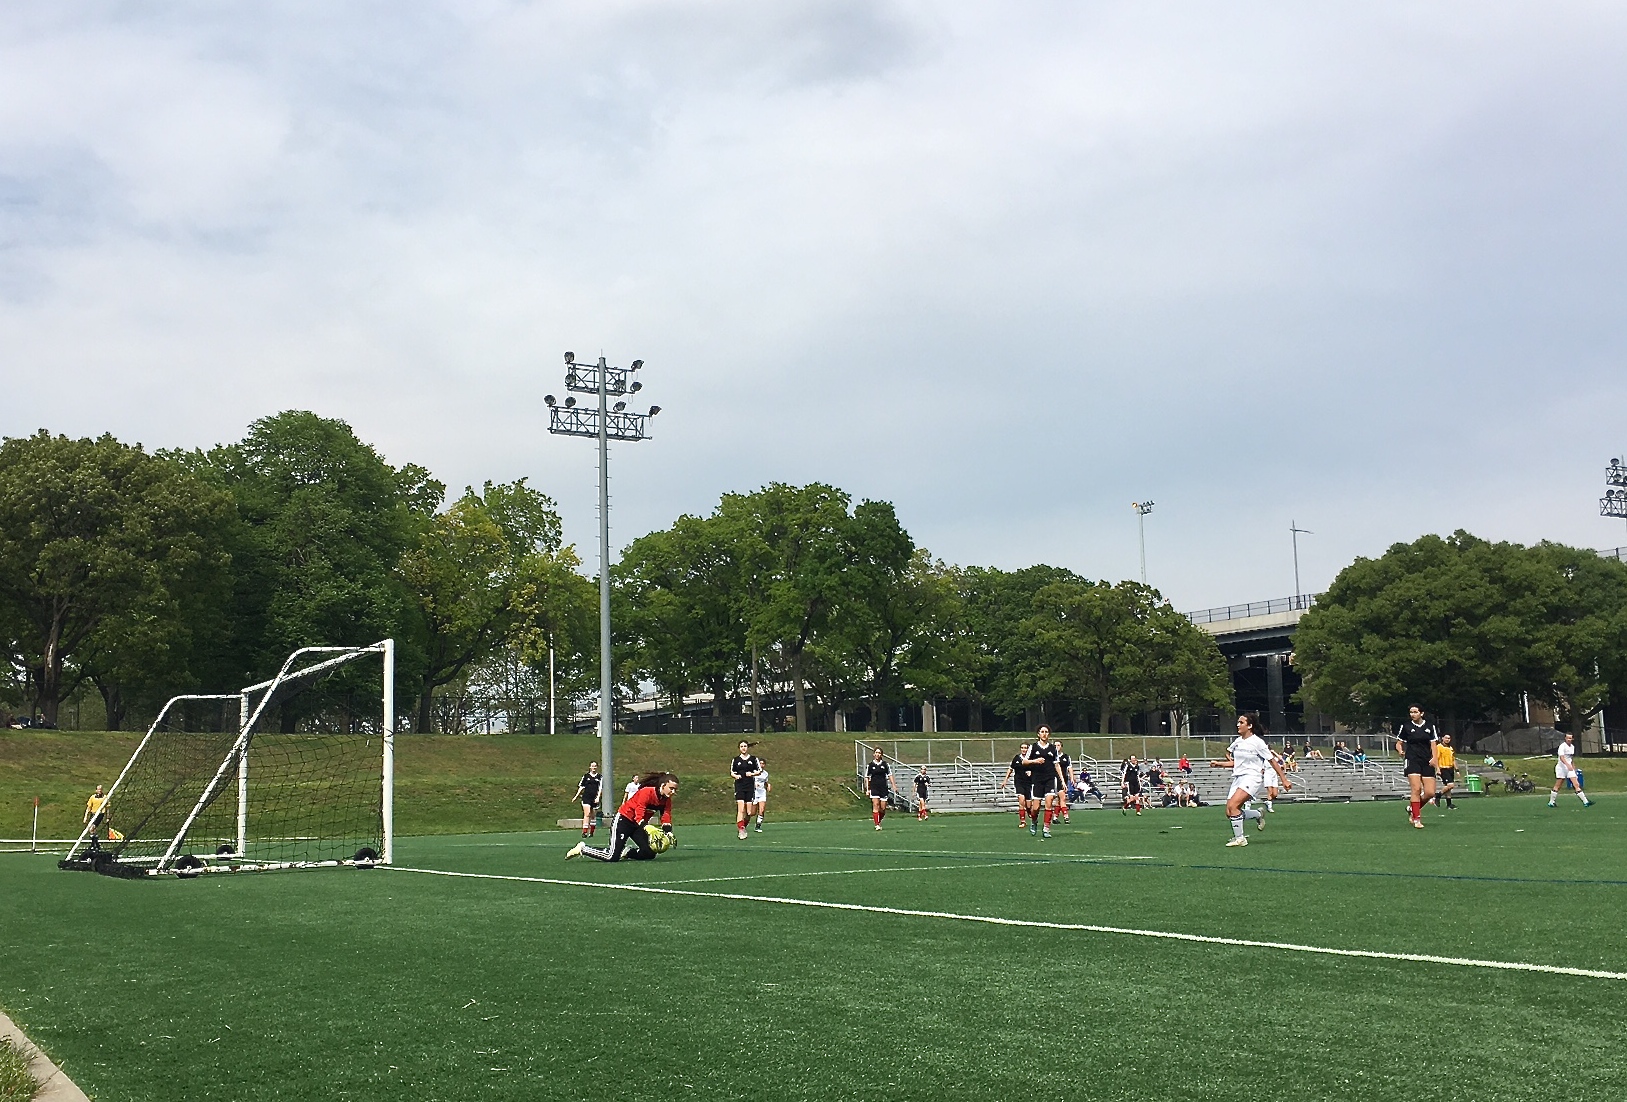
588,793
1042,789
1130,784
922,784
1417,740
879,783
744,768
1019,776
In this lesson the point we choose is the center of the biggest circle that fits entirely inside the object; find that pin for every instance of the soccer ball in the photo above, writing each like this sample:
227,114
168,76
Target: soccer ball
660,840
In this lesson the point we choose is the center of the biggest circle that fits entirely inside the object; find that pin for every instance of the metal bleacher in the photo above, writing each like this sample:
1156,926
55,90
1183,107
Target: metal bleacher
960,784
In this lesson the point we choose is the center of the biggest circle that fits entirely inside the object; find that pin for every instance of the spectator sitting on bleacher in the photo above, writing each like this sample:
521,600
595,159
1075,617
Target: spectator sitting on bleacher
1361,756
1313,752
1342,754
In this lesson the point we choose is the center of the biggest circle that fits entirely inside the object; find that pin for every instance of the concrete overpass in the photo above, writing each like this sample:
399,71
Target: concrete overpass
1258,641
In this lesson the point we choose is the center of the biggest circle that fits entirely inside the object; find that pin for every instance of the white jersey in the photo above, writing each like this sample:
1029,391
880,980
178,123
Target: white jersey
762,785
1566,766
1251,758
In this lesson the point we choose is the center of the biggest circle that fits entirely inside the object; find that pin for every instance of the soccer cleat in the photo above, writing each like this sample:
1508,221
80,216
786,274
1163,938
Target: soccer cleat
1238,841
574,851
1259,823
1419,823
878,827
743,833
1047,832
1031,830
759,828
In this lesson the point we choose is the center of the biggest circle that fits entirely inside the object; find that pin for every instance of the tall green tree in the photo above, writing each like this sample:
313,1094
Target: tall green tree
1578,654
1448,623
92,531
325,522
991,662
1121,647
467,574
793,542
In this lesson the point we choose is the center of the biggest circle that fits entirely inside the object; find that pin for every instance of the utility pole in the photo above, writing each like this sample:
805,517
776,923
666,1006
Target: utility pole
1296,531
1142,508
605,424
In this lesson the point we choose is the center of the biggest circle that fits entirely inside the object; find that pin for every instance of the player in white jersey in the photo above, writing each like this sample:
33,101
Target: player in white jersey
1249,757
1565,770
763,789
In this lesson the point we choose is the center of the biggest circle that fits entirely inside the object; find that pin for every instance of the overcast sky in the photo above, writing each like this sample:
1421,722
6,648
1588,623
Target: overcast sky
1009,266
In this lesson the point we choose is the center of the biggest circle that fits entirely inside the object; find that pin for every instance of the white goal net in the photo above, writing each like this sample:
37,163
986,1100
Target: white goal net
293,772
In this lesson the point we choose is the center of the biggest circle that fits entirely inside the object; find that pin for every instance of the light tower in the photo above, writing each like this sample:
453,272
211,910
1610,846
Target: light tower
1614,501
604,424
1142,508
1296,531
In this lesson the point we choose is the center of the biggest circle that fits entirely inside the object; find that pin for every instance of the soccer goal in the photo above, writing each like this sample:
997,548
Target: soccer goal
294,772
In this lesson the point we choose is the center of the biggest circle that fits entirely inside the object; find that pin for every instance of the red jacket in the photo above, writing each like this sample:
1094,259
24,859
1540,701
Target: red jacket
646,802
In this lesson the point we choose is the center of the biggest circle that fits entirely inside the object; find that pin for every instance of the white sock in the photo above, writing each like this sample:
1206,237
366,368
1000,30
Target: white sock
1251,813
1268,806
1237,826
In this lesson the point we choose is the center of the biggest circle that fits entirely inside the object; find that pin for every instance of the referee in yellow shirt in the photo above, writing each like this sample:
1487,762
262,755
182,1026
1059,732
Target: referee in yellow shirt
1447,767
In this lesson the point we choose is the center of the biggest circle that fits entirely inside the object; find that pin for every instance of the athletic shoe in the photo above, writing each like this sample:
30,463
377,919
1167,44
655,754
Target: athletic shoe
1587,803
759,828
1238,841
878,827
1047,832
743,833
574,851
1259,824
1065,819
1419,823
1034,832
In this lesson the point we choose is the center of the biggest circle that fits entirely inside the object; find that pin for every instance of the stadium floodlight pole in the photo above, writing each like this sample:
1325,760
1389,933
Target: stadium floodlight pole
1296,531
611,423
1142,508
1614,502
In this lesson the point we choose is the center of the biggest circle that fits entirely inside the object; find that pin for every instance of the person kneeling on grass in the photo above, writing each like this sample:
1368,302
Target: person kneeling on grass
653,798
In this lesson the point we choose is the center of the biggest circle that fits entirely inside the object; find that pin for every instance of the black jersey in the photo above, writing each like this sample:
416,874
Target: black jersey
745,767
1046,755
1065,763
1418,741
1021,772
881,774
590,787
921,783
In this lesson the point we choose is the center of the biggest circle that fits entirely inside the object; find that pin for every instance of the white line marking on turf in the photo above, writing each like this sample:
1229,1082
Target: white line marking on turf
847,872
1083,927
978,853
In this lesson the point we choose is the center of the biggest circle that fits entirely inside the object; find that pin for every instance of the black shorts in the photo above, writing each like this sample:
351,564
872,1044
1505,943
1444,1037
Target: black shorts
745,788
1042,787
882,795
1025,789
1132,785
921,795
1419,769
1448,774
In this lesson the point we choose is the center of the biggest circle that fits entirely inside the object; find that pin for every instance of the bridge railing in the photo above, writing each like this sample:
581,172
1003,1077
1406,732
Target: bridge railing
1254,608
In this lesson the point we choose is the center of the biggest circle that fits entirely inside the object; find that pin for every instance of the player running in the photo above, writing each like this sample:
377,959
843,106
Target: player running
1270,777
1042,759
1018,775
1064,766
1565,770
587,793
1249,757
652,798
763,788
923,784
1417,740
879,782
744,769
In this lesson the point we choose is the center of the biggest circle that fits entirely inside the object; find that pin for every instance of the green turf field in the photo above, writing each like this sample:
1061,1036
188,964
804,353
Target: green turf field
796,964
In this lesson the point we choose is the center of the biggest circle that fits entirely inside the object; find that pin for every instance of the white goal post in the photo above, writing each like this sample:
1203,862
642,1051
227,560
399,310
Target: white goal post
311,758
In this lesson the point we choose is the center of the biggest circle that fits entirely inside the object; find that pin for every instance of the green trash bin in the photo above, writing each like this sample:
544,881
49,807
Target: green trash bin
1472,783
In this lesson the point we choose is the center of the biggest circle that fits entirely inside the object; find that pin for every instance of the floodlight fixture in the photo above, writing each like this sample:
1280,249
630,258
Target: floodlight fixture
654,410
548,399
636,365
634,387
570,357
1142,508
619,406
570,403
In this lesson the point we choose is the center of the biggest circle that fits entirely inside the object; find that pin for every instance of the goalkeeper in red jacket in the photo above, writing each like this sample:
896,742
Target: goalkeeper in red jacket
653,798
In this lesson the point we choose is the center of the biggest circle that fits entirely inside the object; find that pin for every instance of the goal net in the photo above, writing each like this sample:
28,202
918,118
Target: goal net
294,772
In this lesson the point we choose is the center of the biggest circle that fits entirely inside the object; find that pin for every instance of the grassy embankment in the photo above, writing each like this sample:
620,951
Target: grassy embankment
461,784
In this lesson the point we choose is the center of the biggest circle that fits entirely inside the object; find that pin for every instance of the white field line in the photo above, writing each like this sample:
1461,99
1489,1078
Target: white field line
1083,927
1008,854
846,872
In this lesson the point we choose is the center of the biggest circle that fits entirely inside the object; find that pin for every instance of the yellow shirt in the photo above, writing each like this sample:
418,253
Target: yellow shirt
94,805
1446,756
